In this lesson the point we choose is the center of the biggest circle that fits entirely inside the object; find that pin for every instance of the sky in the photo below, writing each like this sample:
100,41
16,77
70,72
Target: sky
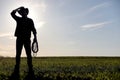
65,27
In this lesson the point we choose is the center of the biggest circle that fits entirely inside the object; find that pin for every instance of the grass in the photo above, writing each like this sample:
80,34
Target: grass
66,68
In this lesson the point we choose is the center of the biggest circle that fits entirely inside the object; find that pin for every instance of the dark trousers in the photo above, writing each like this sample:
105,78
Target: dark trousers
26,42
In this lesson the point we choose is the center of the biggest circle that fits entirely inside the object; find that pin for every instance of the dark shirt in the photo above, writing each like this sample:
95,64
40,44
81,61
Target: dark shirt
24,26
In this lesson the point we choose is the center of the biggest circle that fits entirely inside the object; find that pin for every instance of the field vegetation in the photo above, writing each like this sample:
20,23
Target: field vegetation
65,68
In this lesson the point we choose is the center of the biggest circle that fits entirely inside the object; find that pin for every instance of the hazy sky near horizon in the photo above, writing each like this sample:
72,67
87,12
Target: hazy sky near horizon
66,27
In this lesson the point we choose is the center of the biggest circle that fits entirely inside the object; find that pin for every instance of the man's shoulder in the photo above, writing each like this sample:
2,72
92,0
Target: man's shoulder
29,19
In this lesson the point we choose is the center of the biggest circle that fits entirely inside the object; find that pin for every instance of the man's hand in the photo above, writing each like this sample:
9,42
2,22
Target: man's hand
18,9
35,39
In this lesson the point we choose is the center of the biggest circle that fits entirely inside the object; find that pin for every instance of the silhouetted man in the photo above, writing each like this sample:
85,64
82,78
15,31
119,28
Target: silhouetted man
23,31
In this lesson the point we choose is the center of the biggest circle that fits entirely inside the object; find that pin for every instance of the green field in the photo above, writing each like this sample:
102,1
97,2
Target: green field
66,68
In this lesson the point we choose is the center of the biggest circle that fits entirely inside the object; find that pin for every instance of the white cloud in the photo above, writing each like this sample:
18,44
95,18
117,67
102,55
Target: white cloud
94,8
40,24
94,25
39,6
102,5
5,35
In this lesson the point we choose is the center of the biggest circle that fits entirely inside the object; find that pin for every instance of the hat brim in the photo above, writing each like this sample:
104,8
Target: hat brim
21,11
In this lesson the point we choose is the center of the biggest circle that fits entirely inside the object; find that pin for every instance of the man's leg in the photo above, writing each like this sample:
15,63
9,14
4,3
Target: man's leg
19,44
15,75
27,46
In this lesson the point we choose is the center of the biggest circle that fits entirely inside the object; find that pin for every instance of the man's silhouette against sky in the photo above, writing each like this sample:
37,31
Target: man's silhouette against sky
23,31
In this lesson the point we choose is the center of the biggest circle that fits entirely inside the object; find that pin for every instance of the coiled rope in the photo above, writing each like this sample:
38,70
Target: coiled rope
35,48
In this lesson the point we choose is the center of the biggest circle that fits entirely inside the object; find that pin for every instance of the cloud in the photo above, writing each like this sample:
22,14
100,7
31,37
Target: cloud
5,35
40,24
42,6
94,8
94,25
102,5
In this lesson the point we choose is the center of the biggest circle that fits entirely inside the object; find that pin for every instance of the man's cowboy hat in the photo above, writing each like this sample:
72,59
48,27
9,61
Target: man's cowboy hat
23,10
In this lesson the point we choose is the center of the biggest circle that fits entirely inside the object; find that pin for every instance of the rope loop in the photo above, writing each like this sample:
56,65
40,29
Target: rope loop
35,48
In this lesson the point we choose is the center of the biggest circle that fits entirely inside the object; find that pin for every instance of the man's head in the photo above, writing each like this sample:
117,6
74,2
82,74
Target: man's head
23,11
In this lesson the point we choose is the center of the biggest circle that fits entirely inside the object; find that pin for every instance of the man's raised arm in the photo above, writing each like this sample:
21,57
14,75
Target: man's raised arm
14,12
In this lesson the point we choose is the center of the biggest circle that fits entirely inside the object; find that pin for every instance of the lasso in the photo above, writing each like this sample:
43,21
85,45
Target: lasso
35,48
